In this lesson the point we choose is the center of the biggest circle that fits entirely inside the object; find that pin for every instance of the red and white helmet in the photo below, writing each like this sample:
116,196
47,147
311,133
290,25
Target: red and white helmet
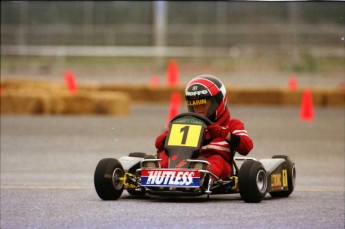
210,88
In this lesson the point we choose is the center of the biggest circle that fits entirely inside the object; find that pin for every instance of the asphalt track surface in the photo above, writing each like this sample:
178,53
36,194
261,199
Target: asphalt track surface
48,163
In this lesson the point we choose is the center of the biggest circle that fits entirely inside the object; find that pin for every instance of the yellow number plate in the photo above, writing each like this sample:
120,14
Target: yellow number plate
185,135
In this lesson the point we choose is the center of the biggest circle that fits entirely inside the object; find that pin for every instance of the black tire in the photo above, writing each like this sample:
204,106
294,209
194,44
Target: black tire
107,179
137,154
291,174
252,181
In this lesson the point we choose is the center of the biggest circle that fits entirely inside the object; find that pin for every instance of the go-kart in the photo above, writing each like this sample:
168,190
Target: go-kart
188,175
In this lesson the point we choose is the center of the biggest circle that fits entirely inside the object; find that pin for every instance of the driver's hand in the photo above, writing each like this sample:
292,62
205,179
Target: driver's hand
217,131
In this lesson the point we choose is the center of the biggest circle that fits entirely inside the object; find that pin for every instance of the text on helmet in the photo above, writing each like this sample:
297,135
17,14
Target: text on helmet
194,93
196,102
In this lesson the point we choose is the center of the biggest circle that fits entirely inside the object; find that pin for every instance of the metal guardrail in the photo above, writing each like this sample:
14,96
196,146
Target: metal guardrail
203,35
152,51
110,51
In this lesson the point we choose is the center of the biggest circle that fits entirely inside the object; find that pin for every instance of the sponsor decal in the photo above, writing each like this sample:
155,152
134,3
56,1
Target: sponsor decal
196,102
279,181
285,180
276,180
170,178
194,93
180,164
188,120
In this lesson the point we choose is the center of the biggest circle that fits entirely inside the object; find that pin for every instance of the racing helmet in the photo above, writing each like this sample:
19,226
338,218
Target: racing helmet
207,88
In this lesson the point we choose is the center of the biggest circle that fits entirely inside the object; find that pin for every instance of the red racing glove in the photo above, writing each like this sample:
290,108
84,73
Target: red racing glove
217,131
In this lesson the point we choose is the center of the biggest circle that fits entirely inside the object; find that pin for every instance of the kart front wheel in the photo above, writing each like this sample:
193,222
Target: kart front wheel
291,177
252,181
107,179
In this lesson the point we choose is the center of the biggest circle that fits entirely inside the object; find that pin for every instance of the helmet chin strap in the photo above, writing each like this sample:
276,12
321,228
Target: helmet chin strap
211,117
211,114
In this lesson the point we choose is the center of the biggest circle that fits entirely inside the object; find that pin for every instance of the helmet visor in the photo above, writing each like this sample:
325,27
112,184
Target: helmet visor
206,107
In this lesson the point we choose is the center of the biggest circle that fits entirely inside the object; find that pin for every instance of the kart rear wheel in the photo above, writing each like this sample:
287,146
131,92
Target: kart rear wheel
252,181
107,179
291,175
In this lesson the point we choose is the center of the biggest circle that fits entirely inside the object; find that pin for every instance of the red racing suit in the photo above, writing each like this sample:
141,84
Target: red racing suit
218,152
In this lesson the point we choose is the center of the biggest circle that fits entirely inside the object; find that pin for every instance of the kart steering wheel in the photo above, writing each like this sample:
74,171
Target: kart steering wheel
203,118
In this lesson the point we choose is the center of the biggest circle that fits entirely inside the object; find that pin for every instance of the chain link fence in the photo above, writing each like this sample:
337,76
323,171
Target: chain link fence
316,27
244,42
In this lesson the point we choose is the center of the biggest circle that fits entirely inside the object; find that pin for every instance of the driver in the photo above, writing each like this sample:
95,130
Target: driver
206,95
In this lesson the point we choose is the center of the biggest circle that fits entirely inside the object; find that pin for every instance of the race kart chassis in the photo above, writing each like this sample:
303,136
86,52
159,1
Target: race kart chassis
275,179
188,175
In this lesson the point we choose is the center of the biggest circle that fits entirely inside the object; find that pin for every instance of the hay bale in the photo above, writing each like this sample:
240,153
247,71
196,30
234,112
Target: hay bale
106,103
76,104
111,103
34,101
289,97
32,84
335,98
22,102
260,96
94,97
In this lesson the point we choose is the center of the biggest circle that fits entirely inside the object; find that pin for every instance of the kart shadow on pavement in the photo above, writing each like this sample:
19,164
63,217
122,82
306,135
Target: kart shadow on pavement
185,199
197,199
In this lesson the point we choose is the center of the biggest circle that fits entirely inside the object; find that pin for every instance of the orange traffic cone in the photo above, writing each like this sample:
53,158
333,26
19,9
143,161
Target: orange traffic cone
172,74
307,107
154,81
70,81
293,83
175,103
